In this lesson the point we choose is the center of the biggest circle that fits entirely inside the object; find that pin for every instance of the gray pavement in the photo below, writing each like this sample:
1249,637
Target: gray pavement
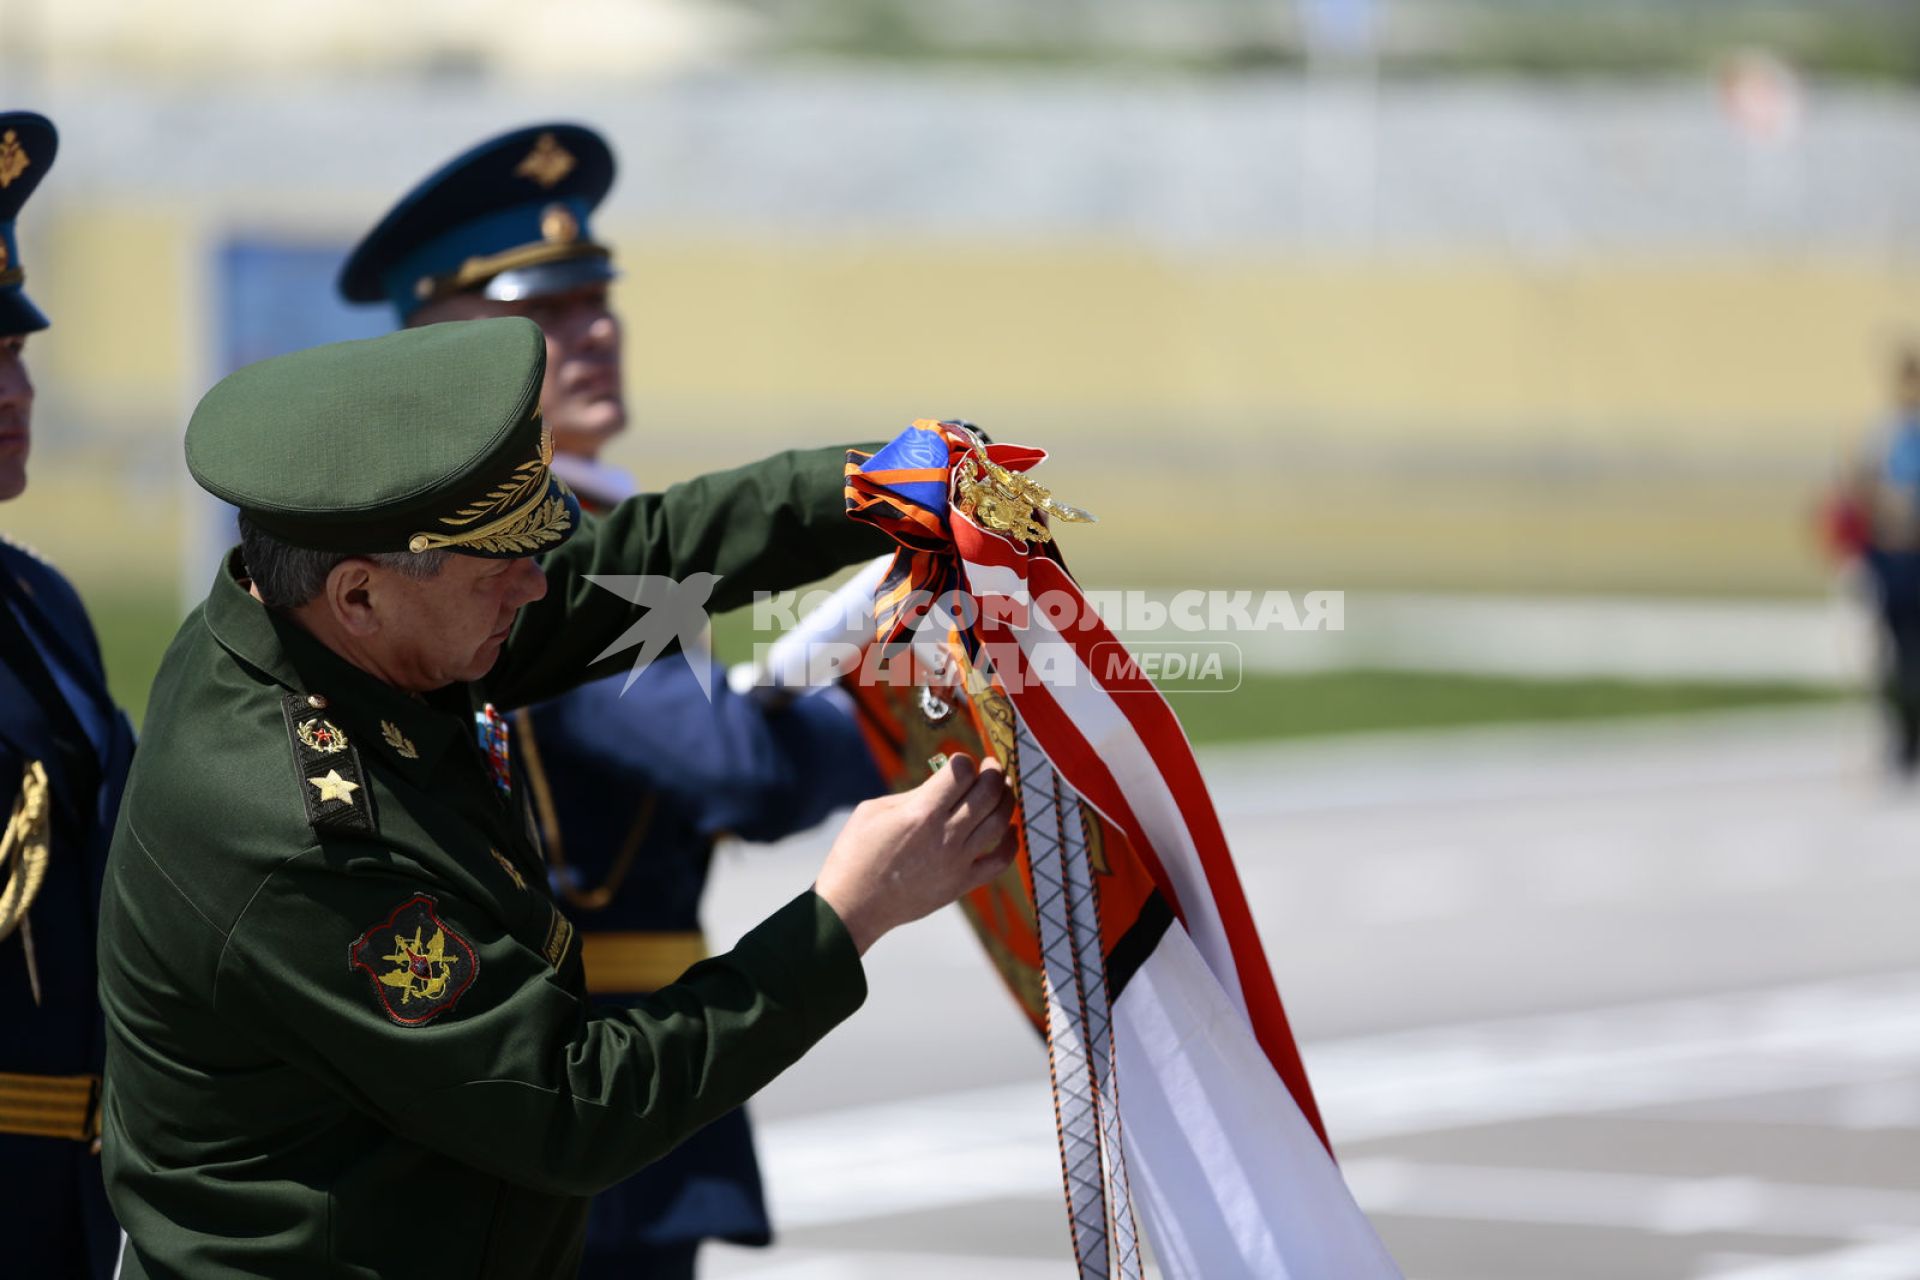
1636,1000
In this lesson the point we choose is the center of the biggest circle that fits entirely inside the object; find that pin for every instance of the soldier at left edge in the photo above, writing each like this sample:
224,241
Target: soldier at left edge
64,752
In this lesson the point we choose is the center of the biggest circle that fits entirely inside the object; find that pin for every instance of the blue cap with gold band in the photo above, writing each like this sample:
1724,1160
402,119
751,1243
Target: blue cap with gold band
27,145
507,219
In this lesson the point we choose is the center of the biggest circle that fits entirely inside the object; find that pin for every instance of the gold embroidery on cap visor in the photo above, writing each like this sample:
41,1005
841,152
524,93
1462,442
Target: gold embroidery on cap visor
528,523
476,271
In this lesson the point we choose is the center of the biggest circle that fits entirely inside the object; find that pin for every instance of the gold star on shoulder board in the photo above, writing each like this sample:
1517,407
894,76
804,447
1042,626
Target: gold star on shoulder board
335,787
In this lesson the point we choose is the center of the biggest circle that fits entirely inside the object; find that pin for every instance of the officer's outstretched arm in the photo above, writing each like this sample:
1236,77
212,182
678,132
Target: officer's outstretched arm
729,761
767,526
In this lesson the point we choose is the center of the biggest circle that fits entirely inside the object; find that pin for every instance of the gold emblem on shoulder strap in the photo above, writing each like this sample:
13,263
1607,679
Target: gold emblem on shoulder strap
402,745
321,735
328,766
13,158
547,163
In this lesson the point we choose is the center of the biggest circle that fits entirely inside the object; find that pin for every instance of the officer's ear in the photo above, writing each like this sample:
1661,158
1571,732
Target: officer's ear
349,596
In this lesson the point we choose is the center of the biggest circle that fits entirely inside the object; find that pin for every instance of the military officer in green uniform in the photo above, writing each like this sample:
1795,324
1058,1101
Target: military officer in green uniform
636,776
348,1032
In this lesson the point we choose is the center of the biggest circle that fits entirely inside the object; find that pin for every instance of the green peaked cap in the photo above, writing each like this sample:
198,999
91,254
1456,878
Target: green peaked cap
421,439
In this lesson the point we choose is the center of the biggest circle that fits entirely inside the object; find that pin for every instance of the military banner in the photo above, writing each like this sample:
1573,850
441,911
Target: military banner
1122,930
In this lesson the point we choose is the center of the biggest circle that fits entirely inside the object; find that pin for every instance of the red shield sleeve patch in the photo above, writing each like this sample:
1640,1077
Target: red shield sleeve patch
417,965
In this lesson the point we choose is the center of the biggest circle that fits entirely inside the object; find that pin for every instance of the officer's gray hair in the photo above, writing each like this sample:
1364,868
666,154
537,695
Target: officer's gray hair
287,576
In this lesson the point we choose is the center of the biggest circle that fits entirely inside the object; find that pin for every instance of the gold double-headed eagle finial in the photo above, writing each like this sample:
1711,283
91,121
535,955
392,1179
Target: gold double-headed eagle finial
1006,501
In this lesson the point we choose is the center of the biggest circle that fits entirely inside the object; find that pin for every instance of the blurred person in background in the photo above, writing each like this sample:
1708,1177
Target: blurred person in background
1876,517
64,752
632,789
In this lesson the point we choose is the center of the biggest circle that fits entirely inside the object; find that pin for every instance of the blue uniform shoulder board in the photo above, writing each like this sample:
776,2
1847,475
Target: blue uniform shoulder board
24,549
332,785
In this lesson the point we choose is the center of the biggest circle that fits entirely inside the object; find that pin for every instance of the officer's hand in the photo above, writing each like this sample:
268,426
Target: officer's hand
904,856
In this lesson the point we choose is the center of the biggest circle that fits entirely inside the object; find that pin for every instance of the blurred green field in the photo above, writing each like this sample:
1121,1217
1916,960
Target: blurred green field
1869,39
136,624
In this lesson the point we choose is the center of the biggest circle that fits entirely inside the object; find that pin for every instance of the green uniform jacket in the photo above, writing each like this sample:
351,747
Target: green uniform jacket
348,1032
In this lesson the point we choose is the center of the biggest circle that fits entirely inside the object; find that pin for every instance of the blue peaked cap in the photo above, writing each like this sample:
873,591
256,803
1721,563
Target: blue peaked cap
28,142
509,218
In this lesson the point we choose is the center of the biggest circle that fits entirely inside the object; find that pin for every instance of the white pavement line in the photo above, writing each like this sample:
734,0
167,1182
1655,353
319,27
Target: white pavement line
1630,1201
1811,1035
1897,1259
1462,766
1874,1106
930,1153
968,1146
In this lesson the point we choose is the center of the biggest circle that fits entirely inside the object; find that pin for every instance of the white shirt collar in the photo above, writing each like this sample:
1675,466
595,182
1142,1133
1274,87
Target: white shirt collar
597,483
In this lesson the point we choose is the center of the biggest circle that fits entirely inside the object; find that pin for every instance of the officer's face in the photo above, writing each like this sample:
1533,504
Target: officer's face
583,398
16,414
434,631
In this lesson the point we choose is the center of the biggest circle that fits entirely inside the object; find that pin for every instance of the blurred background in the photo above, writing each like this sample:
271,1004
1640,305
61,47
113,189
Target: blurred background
1538,328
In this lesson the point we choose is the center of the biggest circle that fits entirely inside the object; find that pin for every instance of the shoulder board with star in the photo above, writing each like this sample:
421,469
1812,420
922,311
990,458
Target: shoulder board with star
332,783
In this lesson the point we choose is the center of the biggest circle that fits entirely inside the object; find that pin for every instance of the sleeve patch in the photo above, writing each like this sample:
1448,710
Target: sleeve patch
417,966
559,937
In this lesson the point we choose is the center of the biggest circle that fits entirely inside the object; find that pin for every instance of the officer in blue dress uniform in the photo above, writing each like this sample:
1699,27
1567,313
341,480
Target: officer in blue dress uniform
630,791
64,752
